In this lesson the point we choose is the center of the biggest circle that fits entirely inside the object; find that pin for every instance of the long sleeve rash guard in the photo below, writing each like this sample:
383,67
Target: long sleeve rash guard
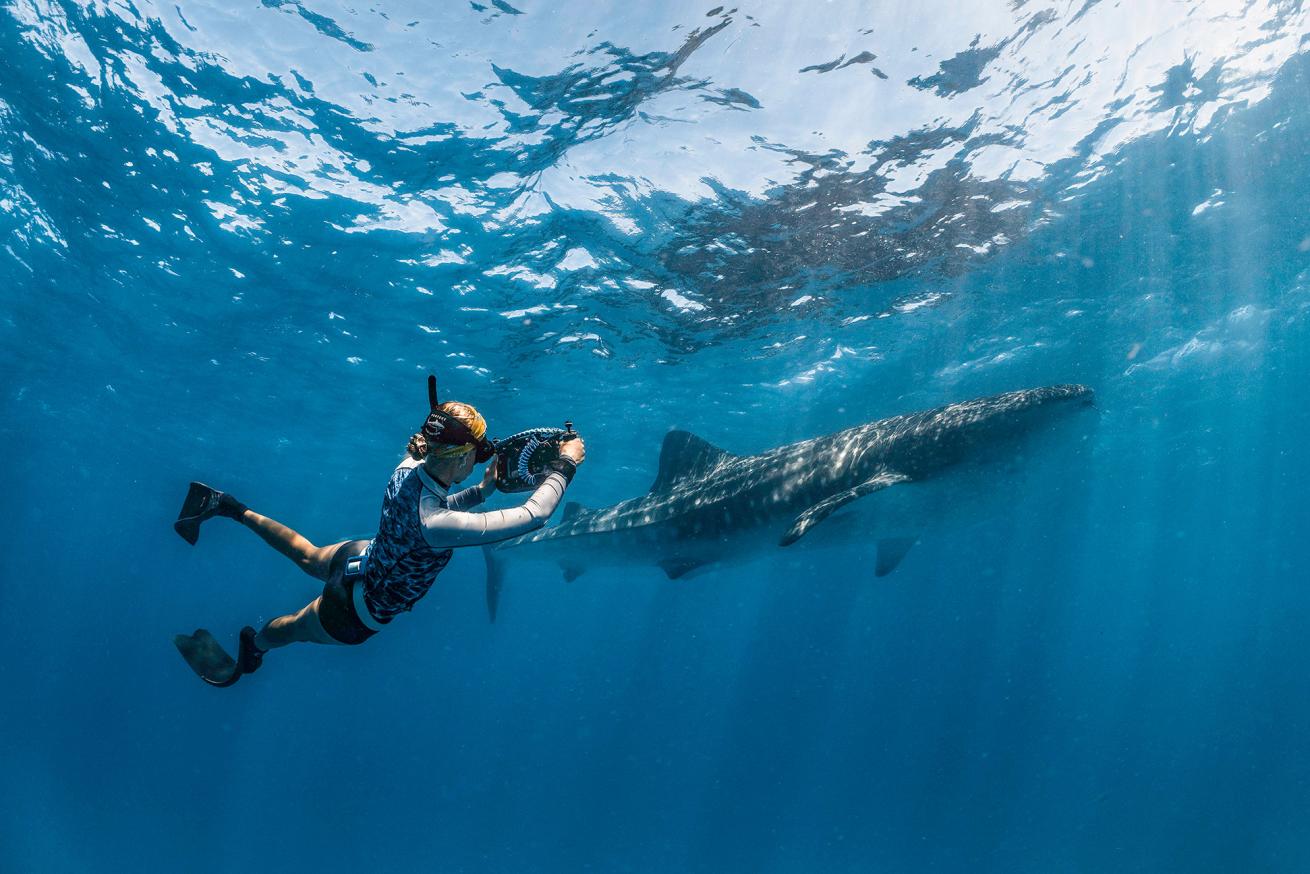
421,524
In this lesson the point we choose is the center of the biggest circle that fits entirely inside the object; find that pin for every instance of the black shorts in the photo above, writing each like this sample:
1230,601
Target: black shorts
337,608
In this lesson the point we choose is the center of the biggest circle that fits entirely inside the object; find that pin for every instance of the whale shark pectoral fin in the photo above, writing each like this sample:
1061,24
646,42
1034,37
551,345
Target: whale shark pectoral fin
891,550
679,567
825,508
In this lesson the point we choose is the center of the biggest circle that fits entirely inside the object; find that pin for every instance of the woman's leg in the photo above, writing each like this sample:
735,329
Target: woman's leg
313,560
301,627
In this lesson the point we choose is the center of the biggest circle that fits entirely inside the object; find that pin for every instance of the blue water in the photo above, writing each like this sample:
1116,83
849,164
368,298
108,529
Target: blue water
234,238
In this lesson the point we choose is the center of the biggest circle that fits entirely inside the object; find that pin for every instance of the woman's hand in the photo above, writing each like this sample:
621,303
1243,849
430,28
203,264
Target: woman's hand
418,447
488,484
574,450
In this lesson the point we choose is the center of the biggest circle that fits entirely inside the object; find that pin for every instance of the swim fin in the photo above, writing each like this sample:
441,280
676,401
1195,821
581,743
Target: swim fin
211,662
208,658
203,503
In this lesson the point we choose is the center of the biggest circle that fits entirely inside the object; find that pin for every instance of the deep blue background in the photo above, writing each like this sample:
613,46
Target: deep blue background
1100,668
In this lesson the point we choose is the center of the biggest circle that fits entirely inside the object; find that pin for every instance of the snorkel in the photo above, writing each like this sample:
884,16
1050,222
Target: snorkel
444,429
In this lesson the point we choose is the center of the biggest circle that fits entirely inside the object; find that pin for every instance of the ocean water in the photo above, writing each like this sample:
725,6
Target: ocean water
235,237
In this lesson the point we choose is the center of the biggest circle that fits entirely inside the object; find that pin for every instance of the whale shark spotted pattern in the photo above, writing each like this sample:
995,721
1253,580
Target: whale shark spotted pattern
707,504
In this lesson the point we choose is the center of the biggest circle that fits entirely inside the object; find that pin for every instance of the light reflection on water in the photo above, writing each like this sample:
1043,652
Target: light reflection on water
629,184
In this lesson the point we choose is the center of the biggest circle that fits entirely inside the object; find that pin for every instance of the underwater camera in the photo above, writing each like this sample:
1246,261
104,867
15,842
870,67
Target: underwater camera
522,459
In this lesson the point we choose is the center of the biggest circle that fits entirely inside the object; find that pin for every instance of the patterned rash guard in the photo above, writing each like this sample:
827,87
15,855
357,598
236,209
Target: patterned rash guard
421,526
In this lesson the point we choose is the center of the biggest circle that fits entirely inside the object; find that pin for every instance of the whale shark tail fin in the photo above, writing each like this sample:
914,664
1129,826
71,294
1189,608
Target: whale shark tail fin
685,455
495,579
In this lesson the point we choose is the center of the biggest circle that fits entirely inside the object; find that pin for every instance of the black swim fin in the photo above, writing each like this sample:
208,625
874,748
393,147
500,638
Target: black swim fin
208,658
211,662
203,503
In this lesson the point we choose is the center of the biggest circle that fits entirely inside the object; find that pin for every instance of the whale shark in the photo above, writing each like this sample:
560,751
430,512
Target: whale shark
709,506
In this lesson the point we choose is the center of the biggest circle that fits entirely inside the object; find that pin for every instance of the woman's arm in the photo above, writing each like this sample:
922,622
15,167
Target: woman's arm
444,527
474,495
465,499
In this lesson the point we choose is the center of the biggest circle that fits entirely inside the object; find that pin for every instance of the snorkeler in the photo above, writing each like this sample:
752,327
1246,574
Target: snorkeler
368,582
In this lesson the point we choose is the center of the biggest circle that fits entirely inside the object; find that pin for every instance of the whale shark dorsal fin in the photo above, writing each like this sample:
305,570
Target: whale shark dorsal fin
825,508
685,455
571,511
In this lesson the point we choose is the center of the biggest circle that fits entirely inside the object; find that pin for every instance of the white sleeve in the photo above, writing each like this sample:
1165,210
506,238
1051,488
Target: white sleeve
443,527
465,499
